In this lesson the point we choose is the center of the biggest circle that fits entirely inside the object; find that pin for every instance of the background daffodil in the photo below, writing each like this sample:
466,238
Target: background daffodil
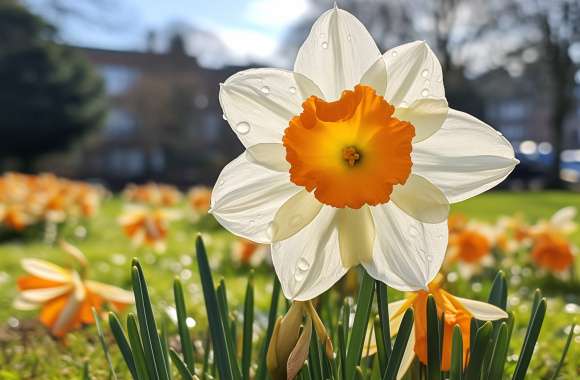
352,158
147,226
65,297
452,310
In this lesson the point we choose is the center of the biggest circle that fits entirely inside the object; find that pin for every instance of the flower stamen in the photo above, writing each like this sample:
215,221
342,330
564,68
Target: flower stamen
351,155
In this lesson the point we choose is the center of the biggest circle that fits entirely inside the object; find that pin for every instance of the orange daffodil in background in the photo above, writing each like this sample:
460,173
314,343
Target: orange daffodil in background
152,194
65,296
199,199
454,311
352,158
247,252
471,244
147,226
551,248
26,200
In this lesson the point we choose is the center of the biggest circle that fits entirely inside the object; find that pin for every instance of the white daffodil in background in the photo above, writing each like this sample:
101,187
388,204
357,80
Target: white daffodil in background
352,158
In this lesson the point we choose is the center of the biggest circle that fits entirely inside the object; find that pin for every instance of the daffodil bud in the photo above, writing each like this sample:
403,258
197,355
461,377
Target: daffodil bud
320,330
288,347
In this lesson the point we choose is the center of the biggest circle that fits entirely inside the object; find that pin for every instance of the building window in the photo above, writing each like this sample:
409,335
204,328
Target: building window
128,162
118,78
120,123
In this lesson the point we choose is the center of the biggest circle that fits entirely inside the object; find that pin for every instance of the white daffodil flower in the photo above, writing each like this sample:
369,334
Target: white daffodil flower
352,158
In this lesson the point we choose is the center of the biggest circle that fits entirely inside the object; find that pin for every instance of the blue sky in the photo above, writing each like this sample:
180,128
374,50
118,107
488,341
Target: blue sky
250,29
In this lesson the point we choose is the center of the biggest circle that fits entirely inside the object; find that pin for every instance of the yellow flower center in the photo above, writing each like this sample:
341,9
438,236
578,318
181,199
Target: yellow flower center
350,152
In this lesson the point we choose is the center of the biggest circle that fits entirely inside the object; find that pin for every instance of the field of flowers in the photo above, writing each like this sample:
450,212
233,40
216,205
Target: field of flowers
525,235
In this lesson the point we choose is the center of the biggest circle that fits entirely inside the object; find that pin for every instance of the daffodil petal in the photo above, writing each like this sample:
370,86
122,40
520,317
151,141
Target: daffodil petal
45,270
356,235
563,217
407,253
376,76
247,196
395,316
44,294
408,355
21,304
482,310
72,307
271,156
308,263
296,213
465,157
414,73
110,293
337,53
421,199
395,307
426,115
76,253
259,103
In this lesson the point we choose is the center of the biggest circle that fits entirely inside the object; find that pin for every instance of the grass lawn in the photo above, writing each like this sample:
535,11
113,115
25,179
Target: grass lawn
26,353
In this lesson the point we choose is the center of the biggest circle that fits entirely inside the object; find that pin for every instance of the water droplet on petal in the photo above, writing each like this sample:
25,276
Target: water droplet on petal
265,90
222,182
243,127
499,133
325,45
303,264
349,37
292,90
440,79
299,276
301,269
425,73
224,117
425,92
394,53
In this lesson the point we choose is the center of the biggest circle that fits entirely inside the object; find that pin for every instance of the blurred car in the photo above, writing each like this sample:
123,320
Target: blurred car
536,160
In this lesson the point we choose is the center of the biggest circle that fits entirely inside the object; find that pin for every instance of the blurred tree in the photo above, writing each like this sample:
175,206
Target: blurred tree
544,35
50,94
106,14
559,24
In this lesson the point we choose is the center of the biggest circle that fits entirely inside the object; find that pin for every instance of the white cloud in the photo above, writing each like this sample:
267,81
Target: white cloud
247,46
276,14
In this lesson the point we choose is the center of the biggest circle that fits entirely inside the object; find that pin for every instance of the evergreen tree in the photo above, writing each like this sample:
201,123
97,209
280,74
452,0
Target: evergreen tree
49,93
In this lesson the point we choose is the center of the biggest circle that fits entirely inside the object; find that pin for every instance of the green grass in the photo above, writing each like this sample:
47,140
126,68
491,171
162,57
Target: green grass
533,205
26,354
